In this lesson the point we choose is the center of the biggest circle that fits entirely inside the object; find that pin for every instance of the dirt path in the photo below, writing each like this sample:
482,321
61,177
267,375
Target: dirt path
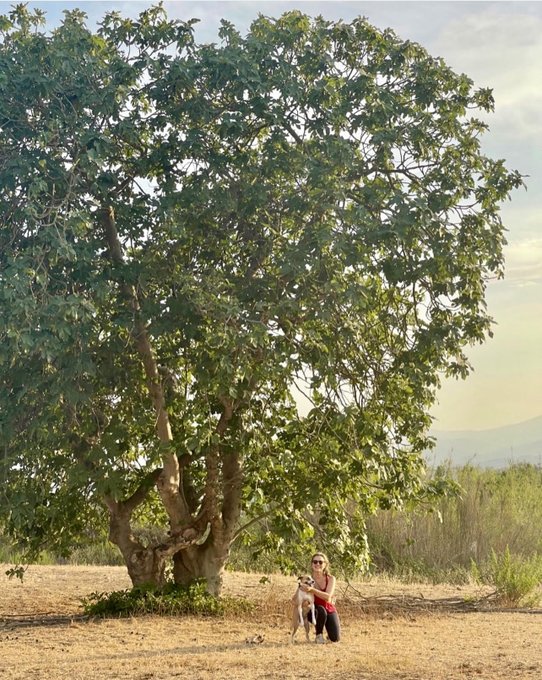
394,633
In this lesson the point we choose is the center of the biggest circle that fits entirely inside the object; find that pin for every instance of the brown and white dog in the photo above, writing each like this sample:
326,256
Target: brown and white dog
302,603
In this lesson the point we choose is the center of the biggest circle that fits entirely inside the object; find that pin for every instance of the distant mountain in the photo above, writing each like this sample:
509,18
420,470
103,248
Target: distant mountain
495,448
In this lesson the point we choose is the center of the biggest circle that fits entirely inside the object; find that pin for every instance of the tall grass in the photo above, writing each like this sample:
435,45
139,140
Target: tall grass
497,511
8,553
98,552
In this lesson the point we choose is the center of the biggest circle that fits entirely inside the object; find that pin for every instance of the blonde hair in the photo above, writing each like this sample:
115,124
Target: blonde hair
325,568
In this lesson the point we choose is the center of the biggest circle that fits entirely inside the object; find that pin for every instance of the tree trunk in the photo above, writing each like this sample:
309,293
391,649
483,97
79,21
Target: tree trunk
194,556
146,565
202,561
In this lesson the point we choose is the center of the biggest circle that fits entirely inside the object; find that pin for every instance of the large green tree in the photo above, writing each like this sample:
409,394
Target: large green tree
190,234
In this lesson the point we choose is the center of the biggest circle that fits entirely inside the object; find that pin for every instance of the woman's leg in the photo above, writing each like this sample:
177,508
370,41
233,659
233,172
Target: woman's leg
321,618
333,626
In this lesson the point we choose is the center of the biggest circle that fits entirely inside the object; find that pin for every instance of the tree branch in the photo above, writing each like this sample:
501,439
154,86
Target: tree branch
168,483
142,491
210,511
250,523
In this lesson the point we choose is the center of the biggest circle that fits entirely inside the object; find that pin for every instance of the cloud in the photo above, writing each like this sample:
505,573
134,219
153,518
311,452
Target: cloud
524,262
503,51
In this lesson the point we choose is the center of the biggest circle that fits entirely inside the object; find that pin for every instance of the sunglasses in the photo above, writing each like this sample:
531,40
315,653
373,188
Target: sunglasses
318,561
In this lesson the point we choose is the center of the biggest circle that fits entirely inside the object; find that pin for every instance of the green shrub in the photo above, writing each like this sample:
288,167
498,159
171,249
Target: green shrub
171,599
516,578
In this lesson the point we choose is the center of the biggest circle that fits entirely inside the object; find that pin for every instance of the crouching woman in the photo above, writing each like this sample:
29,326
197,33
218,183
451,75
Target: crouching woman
323,591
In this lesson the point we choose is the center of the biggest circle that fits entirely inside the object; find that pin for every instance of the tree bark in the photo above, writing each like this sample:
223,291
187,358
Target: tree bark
145,565
205,561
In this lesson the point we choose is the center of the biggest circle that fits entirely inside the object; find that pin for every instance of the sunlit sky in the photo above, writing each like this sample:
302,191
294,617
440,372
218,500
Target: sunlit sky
498,45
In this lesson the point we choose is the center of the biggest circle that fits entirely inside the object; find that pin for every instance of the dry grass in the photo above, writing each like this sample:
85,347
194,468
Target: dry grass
390,632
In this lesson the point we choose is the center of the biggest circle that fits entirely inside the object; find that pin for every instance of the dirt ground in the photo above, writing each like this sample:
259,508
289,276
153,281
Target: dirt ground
390,632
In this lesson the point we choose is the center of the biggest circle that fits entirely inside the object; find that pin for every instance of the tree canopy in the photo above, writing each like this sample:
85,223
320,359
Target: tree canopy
190,235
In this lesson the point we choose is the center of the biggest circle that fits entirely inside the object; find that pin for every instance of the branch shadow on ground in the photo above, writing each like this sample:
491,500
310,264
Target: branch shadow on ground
408,604
350,608
16,621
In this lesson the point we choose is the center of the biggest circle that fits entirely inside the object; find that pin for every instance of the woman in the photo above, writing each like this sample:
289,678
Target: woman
323,591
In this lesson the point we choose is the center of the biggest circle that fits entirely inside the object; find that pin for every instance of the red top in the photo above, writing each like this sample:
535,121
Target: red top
328,606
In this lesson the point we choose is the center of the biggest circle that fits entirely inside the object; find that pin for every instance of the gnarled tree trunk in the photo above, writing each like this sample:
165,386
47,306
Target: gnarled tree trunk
199,538
207,560
146,565
202,562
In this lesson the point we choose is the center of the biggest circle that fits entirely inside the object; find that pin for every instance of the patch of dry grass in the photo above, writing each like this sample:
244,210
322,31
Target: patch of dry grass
390,632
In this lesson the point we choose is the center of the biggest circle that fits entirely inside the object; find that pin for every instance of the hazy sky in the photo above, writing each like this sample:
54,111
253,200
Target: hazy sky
498,45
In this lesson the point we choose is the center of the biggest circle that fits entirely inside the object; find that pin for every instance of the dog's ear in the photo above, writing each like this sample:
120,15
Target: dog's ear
299,579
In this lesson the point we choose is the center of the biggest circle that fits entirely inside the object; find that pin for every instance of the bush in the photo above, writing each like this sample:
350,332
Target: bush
516,578
171,599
